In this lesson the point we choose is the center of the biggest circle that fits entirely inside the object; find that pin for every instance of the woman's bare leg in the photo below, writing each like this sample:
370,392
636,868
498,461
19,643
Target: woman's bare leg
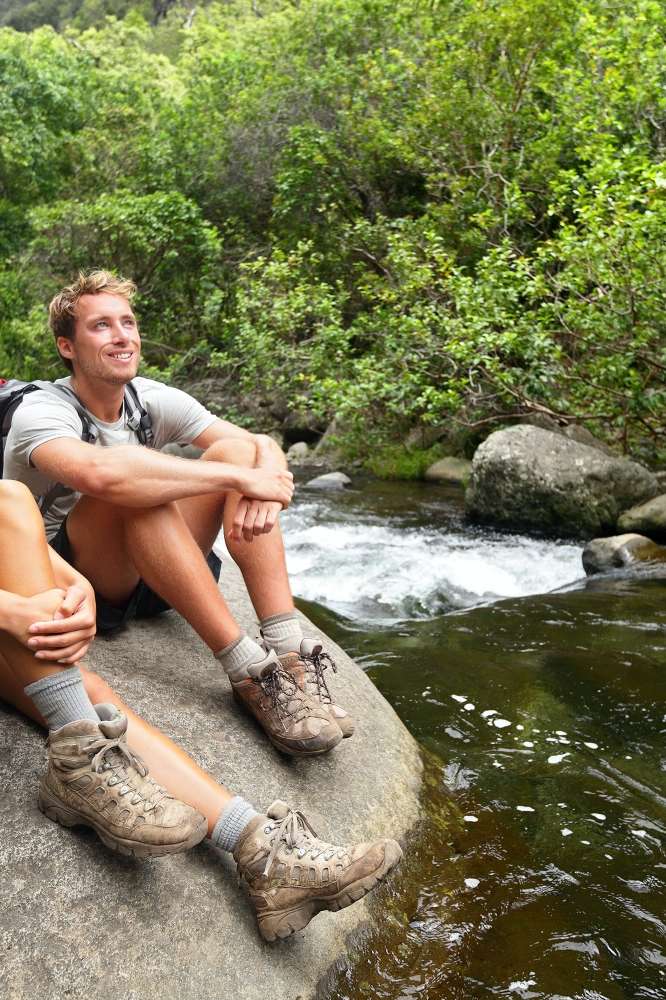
22,533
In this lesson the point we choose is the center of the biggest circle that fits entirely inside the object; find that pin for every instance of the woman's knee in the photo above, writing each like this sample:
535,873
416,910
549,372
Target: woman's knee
18,510
15,495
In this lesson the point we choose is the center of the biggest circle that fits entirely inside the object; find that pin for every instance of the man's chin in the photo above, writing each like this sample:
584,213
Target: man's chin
120,378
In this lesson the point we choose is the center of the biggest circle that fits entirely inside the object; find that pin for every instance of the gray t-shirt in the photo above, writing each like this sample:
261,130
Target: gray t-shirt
176,419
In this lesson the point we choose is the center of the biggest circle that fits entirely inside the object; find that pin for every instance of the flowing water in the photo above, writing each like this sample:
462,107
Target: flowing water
538,700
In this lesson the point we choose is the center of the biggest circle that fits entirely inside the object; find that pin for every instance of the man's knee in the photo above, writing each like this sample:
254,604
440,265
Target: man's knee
236,451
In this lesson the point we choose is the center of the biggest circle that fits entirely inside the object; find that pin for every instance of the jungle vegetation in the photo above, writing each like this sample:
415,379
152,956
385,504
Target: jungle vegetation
436,214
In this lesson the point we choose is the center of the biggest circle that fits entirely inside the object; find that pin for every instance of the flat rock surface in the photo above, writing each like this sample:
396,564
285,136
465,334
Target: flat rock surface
79,921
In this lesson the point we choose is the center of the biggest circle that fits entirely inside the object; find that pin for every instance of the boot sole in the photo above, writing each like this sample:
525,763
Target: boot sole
284,747
283,923
55,810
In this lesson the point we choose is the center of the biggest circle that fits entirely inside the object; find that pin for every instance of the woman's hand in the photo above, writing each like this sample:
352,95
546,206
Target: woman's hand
66,635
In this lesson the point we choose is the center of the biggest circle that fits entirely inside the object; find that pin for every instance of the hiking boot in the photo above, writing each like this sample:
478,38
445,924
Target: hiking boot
292,875
307,667
293,722
94,779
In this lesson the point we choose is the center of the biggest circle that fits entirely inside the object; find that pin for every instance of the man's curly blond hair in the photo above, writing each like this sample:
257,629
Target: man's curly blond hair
62,307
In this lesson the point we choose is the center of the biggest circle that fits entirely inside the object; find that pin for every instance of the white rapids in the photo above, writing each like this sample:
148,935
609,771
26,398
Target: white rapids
383,571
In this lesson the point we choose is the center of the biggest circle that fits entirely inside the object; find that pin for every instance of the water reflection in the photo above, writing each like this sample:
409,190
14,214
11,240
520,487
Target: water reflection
539,871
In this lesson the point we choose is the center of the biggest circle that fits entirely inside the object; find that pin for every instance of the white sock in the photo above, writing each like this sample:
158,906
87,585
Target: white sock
232,821
282,633
238,657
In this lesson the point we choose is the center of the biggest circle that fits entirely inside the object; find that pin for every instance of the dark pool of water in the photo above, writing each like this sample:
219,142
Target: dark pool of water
539,870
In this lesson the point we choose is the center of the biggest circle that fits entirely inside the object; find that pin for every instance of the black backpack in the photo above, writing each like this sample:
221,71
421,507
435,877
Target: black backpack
13,392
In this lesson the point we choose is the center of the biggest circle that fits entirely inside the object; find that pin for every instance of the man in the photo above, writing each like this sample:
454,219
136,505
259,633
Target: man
140,524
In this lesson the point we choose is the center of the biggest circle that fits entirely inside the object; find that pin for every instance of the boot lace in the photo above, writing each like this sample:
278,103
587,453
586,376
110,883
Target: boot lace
295,831
316,663
114,755
285,695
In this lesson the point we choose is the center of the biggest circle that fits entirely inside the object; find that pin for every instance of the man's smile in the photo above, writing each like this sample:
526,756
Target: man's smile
121,355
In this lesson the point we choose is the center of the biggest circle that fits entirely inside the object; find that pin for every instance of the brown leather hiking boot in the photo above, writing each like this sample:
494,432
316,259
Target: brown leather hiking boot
94,779
294,723
307,666
292,876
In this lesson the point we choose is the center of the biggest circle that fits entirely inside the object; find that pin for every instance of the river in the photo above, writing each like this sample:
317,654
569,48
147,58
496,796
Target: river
538,700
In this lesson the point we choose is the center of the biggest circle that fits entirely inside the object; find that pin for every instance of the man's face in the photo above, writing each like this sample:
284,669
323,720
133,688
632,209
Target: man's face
106,343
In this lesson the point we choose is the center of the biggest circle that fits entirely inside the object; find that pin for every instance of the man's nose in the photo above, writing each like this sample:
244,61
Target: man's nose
120,333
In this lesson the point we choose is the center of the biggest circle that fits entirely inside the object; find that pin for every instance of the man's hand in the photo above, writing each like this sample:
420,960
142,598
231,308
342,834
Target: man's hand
66,636
253,517
276,485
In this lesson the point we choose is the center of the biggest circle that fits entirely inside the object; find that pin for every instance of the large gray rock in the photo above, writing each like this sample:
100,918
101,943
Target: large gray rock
649,518
298,452
574,432
527,478
329,481
603,554
78,921
449,470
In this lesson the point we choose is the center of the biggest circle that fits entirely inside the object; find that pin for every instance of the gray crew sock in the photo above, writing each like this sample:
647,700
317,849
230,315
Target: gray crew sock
282,633
238,657
233,820
61,698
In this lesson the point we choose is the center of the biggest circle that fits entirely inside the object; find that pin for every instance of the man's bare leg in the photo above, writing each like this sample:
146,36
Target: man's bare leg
263,565
114,547
261,561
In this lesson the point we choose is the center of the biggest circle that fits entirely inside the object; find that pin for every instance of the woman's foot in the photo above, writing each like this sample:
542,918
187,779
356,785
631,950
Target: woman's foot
292,875
93,779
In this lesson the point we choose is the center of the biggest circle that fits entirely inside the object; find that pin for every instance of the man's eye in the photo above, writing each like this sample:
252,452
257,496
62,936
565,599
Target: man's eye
101,322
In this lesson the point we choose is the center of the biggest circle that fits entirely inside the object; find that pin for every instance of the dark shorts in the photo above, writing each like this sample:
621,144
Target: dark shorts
141,603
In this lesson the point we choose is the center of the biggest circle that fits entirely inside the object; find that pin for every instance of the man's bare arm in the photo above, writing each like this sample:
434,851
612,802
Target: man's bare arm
138,477
253,517
269,453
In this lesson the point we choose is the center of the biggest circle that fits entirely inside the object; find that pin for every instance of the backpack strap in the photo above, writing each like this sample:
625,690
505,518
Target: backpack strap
138,417
88,430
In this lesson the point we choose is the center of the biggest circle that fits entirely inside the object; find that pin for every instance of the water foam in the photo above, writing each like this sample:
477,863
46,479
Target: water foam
380,569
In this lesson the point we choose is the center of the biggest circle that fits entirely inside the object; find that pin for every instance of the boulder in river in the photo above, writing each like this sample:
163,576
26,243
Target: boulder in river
648,518
527,478
574,432
602,554
298,452
329,481
449,470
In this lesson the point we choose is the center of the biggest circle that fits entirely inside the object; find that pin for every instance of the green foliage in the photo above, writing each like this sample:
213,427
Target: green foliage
399,462
160,239
397,214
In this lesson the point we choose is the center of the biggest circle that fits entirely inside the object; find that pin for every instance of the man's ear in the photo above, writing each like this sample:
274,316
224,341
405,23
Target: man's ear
65,347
